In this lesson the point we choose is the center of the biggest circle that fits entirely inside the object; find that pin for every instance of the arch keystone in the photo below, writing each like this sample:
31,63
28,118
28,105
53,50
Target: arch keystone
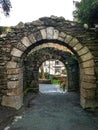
50,32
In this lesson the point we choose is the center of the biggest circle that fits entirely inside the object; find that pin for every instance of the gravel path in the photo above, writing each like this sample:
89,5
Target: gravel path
56,111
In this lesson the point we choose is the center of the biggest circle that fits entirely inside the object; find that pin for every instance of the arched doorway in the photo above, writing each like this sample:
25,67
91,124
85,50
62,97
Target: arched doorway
35,59
43,36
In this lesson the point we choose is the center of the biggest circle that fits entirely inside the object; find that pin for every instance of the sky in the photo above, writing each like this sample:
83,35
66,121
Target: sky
31,10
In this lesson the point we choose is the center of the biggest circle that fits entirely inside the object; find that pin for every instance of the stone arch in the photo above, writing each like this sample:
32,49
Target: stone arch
38,56
13,96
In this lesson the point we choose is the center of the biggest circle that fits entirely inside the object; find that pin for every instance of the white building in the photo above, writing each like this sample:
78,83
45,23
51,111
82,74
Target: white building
53,67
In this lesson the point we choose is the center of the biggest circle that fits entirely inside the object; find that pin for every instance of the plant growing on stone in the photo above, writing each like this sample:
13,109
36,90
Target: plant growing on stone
86,12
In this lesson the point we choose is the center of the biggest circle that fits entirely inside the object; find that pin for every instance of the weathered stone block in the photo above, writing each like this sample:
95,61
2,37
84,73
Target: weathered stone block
12,64
43,33
20,46
89,78
16,52
14,84
68,39
87,85
88,93
37,35
32,38
89,71
15,77
88,103
55,34
83,51
50,32
14,71
73,42
26,41
60,38
15,91
13,101
89,63
78,46
86,57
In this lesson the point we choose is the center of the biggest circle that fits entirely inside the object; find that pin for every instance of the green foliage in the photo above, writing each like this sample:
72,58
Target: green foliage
87,12
54,81
4,30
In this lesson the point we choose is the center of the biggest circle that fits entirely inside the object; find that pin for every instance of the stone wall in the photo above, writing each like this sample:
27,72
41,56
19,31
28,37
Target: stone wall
16,45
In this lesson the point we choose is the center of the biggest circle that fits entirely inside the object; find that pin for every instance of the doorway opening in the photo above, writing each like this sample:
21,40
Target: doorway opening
52,77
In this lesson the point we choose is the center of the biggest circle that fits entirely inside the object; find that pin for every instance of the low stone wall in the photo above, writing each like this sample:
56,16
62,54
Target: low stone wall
44,81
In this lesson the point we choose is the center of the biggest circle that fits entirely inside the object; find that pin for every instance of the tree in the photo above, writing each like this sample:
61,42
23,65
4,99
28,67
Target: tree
5,5
86,12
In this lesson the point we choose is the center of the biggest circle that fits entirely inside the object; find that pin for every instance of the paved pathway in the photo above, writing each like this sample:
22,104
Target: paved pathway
51,88
56,111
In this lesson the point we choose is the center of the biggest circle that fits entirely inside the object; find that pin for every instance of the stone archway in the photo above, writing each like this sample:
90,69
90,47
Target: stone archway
22,40
35,59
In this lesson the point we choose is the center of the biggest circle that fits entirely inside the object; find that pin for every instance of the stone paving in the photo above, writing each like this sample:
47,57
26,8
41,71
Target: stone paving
56,111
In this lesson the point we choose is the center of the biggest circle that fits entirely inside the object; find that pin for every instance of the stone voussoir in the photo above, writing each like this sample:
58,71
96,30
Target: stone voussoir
50,32
83,51
26,41
77,47
68,38
32,38
73,42
89,63
16,52
61,36
86,57
20,46
43,33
